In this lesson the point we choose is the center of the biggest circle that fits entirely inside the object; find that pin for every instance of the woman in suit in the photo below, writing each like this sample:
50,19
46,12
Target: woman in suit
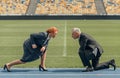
90,50
34,48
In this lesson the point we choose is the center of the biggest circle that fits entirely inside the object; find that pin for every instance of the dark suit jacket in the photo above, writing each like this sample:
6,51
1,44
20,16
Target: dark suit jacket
40,39
88,44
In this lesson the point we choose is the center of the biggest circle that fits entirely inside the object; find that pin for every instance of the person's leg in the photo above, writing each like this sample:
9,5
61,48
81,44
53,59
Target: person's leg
19,61
15,62
106,65
98,66
95,63
84,59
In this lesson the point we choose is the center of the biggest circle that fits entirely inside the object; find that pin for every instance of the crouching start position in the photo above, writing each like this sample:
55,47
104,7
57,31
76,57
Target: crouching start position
90,52
35,47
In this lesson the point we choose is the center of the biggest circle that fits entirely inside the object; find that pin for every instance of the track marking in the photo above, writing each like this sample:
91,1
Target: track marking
65,40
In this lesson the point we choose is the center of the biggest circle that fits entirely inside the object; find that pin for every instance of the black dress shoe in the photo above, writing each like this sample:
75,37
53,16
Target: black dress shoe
42,68
88,69
112,63
5,67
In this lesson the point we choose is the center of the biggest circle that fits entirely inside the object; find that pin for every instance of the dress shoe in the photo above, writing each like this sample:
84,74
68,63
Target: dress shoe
42,68
6,68
112,63
88,69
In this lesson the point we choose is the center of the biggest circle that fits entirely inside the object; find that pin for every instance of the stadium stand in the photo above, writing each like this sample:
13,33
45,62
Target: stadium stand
100,7
112,6
59,7
66,7
32,7
9,7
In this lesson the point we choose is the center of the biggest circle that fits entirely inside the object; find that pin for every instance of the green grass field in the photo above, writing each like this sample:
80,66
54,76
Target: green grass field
63,50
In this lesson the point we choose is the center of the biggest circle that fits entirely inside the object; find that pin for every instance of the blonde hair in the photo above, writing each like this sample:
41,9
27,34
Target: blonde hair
52,30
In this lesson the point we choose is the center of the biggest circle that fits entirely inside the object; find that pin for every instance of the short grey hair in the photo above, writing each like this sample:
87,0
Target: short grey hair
76,30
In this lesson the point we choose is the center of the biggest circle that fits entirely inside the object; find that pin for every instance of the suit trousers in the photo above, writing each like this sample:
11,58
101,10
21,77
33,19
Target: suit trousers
94,60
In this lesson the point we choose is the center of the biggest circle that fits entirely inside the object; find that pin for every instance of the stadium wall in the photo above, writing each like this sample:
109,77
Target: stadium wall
60,17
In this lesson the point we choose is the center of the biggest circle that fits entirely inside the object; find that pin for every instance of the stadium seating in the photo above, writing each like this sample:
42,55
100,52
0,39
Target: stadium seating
112,6
13,6
67,7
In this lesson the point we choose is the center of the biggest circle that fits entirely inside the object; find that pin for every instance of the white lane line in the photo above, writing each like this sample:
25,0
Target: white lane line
65,40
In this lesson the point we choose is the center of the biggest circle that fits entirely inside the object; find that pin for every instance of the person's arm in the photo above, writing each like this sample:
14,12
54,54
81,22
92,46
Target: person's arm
44,47
45,44
43,58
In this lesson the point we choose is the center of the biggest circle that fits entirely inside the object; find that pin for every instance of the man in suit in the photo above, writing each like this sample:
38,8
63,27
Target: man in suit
90,52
